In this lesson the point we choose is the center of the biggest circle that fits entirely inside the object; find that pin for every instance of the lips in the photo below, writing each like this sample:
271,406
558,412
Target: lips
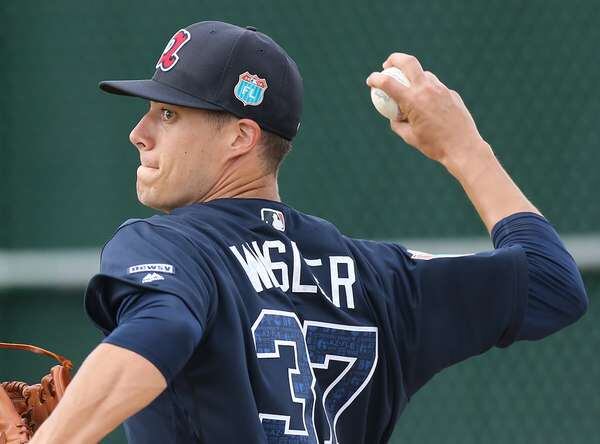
147,164
147,174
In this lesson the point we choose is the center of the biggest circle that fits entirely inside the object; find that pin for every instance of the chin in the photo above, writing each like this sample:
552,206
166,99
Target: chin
150,201
153,201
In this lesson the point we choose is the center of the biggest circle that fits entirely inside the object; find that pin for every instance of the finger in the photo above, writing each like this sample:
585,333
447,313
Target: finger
392,87
407,63
404,130
431,76
457,97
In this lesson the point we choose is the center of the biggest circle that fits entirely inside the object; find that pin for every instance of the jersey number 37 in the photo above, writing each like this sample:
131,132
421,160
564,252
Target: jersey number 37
314,346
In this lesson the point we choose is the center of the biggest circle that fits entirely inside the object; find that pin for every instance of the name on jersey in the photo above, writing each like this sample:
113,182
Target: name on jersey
145,268
265,273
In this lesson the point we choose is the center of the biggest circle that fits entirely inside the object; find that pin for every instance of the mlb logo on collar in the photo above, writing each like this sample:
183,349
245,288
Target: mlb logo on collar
274,218
250,89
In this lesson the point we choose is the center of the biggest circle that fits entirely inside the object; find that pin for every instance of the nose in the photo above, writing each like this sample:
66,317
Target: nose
140,135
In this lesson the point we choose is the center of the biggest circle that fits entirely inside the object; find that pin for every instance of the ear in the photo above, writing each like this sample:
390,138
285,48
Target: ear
247,133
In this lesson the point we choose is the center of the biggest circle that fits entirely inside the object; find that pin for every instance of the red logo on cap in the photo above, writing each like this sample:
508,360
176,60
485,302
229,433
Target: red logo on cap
169,57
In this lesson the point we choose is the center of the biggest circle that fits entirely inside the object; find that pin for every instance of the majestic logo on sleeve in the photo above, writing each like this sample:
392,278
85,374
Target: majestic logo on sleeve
169,57
250,89
274,218
151,277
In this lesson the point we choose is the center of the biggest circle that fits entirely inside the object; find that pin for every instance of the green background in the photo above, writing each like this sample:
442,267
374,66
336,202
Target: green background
529,72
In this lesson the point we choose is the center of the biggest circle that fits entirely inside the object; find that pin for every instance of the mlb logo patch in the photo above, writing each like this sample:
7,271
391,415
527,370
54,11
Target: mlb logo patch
274,218
250,89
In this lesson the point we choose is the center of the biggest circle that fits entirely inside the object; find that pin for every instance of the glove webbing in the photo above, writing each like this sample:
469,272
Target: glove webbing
38,350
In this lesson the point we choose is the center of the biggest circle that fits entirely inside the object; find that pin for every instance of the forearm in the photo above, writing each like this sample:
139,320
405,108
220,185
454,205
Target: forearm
440,126
556,295
112,384
491,190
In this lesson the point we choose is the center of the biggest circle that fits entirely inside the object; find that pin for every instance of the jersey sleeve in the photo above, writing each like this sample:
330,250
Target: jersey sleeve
443,310
150,258
557,295
157,326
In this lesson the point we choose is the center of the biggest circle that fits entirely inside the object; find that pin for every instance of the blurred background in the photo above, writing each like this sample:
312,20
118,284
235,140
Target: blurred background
528,71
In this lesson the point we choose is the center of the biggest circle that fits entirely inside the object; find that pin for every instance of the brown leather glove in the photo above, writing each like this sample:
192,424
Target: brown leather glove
13,429
24,407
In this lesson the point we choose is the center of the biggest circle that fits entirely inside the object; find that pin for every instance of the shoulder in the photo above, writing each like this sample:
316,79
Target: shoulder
155,254
174,226
320,223
388,254
159,231
157,245
137,235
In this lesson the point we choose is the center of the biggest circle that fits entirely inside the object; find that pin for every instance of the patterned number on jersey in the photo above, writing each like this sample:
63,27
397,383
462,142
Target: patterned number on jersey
274,329
314,347
356,347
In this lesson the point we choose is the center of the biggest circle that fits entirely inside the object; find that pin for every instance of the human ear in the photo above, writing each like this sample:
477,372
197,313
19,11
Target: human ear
246,136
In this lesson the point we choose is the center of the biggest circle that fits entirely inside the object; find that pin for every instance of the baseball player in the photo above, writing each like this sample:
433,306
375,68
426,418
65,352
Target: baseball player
234,318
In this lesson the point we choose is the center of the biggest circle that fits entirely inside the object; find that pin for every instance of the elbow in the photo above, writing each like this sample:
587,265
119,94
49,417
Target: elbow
556,300
579,298
574,298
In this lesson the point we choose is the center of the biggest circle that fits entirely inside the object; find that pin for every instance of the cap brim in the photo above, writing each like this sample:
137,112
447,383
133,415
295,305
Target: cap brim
153,90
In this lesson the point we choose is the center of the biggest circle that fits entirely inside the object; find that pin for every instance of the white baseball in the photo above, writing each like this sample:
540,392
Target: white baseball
384,103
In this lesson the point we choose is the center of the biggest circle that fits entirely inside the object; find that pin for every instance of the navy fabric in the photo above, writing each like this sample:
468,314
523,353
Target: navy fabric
143,243
557,296
294,327
442,310
147,320
151,89
206,62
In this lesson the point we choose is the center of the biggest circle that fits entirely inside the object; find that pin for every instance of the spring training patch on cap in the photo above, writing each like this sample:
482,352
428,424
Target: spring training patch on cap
169,57
250,89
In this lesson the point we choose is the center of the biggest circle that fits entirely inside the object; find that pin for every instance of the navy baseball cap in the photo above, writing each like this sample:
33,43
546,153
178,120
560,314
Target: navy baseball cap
219,66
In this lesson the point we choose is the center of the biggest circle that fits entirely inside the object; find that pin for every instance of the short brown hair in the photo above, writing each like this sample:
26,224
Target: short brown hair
218,119
275,147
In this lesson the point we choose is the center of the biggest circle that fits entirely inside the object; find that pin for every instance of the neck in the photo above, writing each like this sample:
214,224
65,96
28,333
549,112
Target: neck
257,186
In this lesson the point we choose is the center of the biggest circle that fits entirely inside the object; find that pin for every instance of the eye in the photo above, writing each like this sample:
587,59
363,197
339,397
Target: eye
166,114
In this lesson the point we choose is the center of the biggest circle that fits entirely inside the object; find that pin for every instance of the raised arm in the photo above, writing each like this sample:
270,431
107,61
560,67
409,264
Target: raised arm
441,127
112,384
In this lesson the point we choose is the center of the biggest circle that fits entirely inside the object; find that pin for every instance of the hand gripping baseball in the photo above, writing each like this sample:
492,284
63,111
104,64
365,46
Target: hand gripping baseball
438,123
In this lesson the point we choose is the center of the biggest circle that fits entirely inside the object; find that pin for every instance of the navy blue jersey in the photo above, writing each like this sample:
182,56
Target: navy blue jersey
304,335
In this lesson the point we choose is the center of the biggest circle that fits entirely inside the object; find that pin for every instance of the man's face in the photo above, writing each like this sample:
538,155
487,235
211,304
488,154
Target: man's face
181,156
